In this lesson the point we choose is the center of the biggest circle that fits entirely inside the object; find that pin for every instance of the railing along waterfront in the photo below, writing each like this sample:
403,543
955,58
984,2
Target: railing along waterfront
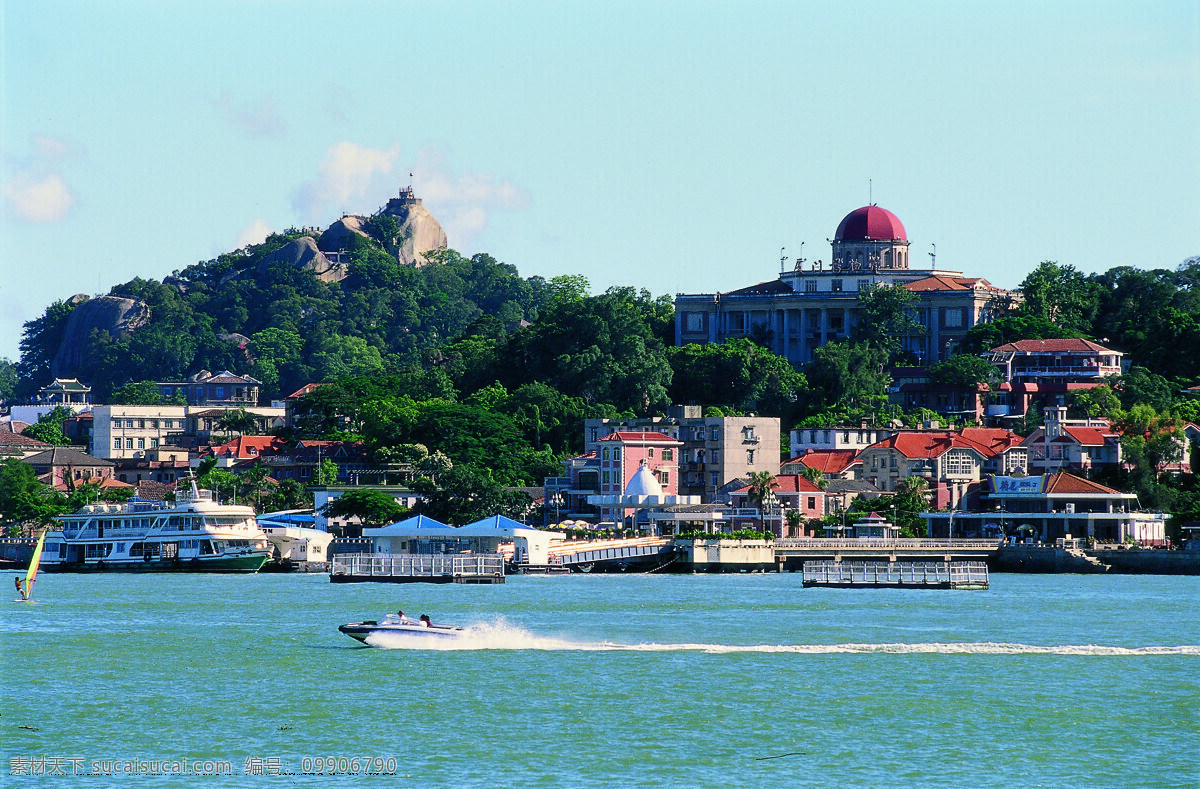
416,566
946,575
883,542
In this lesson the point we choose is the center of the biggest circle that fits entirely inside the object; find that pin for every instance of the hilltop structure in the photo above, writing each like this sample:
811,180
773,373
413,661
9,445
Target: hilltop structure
811,305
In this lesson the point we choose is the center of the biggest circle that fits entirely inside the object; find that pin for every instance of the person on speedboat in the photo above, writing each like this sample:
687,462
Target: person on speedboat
425,620
397,618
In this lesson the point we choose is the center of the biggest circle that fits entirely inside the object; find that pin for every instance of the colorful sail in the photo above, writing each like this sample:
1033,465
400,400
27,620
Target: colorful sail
31,573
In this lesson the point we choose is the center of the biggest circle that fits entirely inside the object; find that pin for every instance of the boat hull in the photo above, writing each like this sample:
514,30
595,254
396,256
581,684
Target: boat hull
244,563
360,631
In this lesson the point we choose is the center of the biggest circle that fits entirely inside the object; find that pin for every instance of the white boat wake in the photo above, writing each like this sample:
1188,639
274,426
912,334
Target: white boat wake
502,636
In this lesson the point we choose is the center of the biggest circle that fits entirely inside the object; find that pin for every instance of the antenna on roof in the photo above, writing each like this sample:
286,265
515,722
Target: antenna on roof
782,259
870,192
933,257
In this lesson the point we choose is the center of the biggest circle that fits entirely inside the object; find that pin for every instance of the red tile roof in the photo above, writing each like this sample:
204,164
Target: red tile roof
994,438
789,483
941,282
1062,482
1077,345
245,447
827,461
1087,436
913,444
644,436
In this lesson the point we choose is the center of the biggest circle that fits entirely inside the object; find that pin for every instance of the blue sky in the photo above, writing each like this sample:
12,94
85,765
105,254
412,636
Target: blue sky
674,146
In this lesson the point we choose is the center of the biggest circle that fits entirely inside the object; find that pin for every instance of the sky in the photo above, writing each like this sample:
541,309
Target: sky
680,147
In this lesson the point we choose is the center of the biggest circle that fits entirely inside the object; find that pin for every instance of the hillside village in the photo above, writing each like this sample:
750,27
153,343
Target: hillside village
370,356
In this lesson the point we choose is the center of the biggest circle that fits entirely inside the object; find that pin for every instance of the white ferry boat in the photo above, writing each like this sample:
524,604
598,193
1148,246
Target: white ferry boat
193,534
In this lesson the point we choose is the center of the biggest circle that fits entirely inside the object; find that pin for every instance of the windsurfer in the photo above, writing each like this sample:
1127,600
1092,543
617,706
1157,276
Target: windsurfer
20,587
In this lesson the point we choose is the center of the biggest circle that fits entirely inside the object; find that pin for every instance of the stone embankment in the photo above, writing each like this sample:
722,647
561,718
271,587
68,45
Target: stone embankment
1114,560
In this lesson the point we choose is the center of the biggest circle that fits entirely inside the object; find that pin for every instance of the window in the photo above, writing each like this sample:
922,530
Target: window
716,479
129,423
668,454
604,453
141,443
116,443
810,286
952,318
154,424
649,452
616,453
220,391
129,443
812,502
607,477
141,424
959,464
835,285
863,284
153,443
750,457
694,321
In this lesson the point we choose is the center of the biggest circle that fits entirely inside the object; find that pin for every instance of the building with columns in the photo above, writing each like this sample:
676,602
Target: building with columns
813,304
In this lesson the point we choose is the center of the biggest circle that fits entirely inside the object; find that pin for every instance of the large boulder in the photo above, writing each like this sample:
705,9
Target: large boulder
419,231
336,238
113,314
304,254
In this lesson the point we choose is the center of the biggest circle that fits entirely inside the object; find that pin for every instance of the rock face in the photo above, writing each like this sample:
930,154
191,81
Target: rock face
335,238
419,231
116,315
304,254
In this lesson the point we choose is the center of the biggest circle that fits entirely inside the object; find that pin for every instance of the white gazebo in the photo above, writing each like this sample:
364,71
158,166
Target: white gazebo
421,534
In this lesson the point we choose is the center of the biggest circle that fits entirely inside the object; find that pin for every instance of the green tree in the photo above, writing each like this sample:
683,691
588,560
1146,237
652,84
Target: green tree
848,376
371,507
463,495
885,319
985,336
326,473
8,379
23,499
762,487
1061,295
40,341
143,393
738,373
238,420
965,370
49,427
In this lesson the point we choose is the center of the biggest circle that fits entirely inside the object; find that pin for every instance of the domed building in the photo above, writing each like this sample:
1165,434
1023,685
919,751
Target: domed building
812,303
870,238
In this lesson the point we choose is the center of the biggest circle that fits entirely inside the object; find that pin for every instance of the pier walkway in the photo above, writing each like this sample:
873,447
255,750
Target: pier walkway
613,554
417,568
898,575
793,553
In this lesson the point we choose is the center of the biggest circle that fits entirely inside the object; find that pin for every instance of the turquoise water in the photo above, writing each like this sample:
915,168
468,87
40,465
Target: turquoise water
741,680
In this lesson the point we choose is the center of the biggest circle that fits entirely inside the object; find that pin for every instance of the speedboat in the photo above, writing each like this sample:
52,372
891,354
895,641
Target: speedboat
394,625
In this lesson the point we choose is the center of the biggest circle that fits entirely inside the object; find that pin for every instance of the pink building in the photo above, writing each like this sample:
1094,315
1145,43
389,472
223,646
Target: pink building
623,453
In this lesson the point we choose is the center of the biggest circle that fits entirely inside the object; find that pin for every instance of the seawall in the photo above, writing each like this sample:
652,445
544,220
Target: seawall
1133,561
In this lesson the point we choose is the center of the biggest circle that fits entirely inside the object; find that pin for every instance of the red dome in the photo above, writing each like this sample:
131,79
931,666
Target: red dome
870,223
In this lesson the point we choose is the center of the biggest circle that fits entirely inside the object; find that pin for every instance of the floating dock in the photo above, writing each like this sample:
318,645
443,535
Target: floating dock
401,568
896,575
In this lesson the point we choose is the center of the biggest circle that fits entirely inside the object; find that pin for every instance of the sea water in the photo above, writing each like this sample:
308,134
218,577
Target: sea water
613,680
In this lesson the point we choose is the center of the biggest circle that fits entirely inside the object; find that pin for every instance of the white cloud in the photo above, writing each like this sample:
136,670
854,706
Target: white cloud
254,233
462,202
257,120
33,198
351,178
36,190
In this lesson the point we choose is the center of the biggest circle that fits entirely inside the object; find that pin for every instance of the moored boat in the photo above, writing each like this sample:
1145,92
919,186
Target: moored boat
400,626
193,534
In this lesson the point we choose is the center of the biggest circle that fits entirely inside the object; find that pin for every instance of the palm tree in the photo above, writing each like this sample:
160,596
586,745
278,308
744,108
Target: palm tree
762,486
